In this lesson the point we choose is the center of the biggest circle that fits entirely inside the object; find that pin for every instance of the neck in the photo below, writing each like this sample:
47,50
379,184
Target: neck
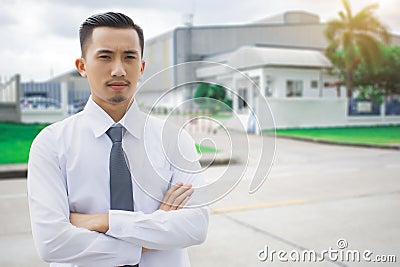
115,110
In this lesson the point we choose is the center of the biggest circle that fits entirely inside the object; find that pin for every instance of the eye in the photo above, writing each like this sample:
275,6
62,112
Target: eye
130,57
104,57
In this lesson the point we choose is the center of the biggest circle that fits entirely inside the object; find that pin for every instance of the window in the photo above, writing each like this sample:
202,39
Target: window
294,88
243,98
314,84
268,91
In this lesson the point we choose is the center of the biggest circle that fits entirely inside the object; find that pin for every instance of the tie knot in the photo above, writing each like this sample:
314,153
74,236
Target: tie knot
115,134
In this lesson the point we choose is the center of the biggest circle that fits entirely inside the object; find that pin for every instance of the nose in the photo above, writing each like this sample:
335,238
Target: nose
118,69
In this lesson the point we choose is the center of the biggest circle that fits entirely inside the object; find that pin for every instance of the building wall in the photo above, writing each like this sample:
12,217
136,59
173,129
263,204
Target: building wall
194,43
220,39
74,79
311,112
49,115
306,112
279,76
10,112
159,55
78,87
10,109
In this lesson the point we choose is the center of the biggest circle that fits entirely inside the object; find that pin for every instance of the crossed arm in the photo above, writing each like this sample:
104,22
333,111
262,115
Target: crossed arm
175,198
64,237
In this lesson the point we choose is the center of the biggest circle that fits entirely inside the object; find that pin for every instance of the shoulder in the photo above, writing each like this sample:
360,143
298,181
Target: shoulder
57,131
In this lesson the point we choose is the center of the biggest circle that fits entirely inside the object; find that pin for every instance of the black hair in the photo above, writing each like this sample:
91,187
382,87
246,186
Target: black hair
108,19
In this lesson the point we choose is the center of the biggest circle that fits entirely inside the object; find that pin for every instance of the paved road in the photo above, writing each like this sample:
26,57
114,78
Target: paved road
315,195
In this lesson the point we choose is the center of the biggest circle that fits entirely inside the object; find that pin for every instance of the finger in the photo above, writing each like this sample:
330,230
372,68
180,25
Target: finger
164,204
178,200
183,203
171,190
178,192
180,203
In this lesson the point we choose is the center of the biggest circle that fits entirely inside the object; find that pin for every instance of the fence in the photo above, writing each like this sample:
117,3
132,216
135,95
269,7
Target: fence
195,121
363,107
314,112
286,113
9,90
47,95
49,102
392,107
41,89
367,107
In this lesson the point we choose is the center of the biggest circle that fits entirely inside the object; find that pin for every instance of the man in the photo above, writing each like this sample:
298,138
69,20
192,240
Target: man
70,168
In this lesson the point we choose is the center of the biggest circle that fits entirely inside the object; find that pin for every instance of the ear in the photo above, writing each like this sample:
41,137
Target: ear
143,65
80,66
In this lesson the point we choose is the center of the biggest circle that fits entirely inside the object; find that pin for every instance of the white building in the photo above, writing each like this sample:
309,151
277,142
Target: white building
282,56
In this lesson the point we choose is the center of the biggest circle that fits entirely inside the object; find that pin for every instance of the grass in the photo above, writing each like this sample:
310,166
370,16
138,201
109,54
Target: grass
372,135
16,140
219,115
206,149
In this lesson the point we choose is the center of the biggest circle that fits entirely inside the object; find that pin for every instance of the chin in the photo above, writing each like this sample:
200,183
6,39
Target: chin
118,99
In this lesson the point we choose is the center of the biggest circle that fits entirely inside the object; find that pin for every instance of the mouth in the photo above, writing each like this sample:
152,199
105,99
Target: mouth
118,85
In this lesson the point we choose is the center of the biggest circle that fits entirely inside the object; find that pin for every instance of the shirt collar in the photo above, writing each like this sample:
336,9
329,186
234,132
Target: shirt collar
99,121
134,120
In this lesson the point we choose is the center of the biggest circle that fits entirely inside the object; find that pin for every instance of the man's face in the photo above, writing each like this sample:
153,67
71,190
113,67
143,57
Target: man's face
112,64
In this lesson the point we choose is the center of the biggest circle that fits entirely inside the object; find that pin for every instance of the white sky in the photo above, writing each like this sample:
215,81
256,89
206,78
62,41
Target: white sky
40,37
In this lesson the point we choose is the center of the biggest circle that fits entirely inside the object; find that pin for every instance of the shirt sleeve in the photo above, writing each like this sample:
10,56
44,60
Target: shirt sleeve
163,230
56,239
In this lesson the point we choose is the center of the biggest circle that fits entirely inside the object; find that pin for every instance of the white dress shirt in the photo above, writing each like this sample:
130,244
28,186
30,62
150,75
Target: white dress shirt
68,171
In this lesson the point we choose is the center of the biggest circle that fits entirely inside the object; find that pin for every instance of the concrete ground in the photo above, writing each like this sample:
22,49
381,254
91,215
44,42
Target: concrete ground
315,195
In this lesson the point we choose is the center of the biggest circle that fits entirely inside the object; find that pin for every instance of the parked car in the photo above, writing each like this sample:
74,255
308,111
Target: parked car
39,102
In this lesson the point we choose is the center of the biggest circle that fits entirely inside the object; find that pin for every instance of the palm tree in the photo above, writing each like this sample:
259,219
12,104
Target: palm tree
355,38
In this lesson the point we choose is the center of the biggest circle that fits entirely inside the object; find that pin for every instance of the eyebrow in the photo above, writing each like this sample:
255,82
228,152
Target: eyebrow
107,51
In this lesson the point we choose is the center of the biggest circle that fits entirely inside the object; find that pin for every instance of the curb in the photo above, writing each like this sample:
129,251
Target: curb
314,140
220,159
8,171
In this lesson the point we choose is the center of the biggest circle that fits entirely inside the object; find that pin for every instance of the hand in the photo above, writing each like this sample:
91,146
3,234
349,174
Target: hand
176,197
92,222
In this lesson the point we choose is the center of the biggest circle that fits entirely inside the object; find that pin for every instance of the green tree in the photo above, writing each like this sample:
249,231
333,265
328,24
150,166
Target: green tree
216,91
201,92
207,91
354,39
386,81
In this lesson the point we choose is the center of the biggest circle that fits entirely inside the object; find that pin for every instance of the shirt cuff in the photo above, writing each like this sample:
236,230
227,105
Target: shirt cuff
116,224
132,252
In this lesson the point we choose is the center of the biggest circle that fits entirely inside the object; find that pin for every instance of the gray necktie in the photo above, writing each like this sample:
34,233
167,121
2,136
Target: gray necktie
120,177
121,197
